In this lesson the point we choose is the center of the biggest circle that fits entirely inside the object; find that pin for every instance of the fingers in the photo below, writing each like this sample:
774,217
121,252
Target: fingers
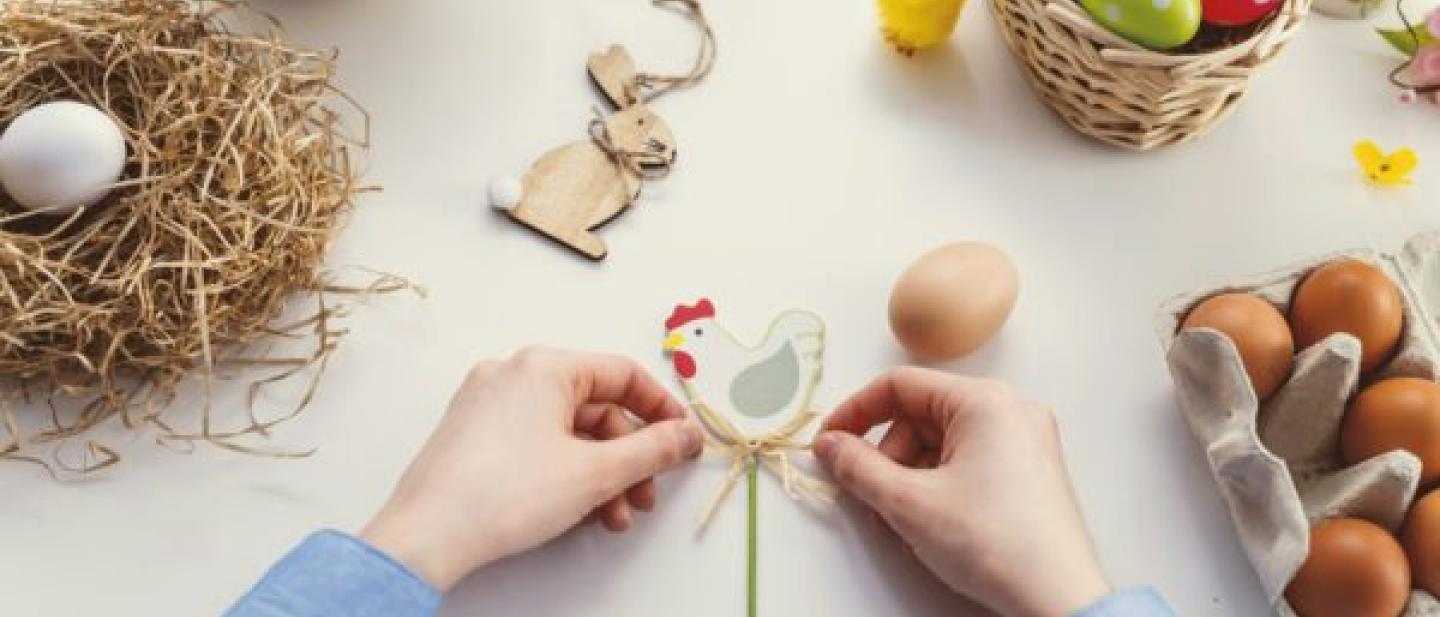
614,515
608,423
605,421
480,373
598,378
642,495
861,469
602,421
914,393
622,381
928,459
902,443
906,446
483,369
927,397
646,452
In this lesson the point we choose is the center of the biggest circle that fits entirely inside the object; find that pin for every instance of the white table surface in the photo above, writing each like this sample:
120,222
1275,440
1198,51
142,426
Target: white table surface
815,164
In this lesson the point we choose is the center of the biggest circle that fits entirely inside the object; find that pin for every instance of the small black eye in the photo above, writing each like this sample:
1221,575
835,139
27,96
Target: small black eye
699,332
642,122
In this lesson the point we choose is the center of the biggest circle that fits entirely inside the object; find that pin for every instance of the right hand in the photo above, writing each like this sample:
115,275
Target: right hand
972,479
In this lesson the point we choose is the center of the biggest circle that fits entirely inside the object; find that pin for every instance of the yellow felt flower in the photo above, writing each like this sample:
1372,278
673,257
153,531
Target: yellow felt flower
916,24
1385,169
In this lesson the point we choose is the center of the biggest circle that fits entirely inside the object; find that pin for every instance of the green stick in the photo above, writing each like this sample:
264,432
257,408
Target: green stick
750,559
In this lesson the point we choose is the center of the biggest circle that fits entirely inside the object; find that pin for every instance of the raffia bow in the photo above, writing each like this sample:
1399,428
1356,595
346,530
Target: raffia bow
649,164
771,450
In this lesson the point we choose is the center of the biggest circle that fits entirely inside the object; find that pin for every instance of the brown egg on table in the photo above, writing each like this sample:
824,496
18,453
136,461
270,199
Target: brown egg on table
1421,539
1354,569
1259,332
952,300
1352,296
1394,414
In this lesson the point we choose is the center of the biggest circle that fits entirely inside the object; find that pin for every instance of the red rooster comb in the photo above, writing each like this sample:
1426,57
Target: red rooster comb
685,314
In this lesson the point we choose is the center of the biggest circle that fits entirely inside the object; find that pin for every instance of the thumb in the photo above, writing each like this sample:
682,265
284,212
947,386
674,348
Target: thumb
649,451
860,468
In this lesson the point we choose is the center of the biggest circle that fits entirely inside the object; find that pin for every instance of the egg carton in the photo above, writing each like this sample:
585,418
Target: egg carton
1277,464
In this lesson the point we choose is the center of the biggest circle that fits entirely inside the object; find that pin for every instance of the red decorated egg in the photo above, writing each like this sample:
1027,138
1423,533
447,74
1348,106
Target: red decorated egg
1237,12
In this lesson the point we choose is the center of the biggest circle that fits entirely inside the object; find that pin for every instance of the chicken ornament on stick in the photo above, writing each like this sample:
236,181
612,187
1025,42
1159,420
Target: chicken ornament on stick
753,400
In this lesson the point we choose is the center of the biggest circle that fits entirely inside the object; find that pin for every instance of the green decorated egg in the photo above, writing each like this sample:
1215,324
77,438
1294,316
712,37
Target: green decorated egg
1156,24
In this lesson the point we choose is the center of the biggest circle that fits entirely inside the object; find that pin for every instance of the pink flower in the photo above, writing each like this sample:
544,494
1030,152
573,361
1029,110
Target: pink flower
1426,67
1432,23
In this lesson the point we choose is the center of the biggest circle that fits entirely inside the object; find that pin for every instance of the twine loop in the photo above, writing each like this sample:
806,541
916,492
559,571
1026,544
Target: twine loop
658,84
652,163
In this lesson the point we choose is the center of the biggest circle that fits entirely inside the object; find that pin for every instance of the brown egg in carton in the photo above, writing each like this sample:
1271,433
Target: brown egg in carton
1277,463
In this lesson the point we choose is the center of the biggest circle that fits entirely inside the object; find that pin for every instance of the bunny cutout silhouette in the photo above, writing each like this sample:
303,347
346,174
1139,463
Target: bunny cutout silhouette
576,188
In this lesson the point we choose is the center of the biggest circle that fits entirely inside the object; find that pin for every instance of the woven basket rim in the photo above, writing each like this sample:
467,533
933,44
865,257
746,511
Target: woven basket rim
1280,24
1120,93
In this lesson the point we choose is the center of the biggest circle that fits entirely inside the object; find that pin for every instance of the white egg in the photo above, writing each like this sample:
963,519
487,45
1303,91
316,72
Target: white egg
61,156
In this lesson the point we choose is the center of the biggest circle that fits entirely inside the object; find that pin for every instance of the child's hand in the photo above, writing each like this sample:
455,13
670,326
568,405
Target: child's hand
528,448
972,479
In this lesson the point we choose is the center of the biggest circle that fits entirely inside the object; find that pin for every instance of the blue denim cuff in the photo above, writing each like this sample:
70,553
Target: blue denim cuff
332,573
1140,602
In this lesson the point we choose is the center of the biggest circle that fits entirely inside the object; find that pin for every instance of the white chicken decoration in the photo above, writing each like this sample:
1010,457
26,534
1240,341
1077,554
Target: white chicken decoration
761,387
753,400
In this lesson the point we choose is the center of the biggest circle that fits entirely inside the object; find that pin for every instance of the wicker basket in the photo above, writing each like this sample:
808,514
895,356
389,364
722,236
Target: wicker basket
1120,93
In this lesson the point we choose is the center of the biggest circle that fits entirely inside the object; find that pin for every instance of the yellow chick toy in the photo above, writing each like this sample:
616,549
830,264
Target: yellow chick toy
912,25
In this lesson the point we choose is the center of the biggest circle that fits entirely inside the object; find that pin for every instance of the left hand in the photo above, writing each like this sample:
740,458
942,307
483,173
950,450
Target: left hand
527,449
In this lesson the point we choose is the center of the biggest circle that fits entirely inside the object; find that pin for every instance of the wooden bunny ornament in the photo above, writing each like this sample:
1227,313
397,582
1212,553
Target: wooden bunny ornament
570,191
573,189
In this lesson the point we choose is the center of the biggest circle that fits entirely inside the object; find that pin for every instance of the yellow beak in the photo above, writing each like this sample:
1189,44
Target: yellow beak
673,342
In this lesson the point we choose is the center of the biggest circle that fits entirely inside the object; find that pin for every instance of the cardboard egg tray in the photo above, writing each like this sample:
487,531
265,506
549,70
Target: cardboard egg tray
1277,464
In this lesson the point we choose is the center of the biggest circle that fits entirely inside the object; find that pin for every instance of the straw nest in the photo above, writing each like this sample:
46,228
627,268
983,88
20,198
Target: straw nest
239,172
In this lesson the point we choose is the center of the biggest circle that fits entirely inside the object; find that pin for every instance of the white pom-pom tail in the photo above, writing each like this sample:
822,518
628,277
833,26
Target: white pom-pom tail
505,193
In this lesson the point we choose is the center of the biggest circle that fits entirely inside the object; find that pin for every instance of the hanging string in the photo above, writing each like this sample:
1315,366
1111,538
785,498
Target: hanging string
655,162
1409,62
658,85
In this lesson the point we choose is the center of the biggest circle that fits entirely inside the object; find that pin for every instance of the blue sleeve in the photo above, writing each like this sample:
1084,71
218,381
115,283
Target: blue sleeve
333,574
1142,602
